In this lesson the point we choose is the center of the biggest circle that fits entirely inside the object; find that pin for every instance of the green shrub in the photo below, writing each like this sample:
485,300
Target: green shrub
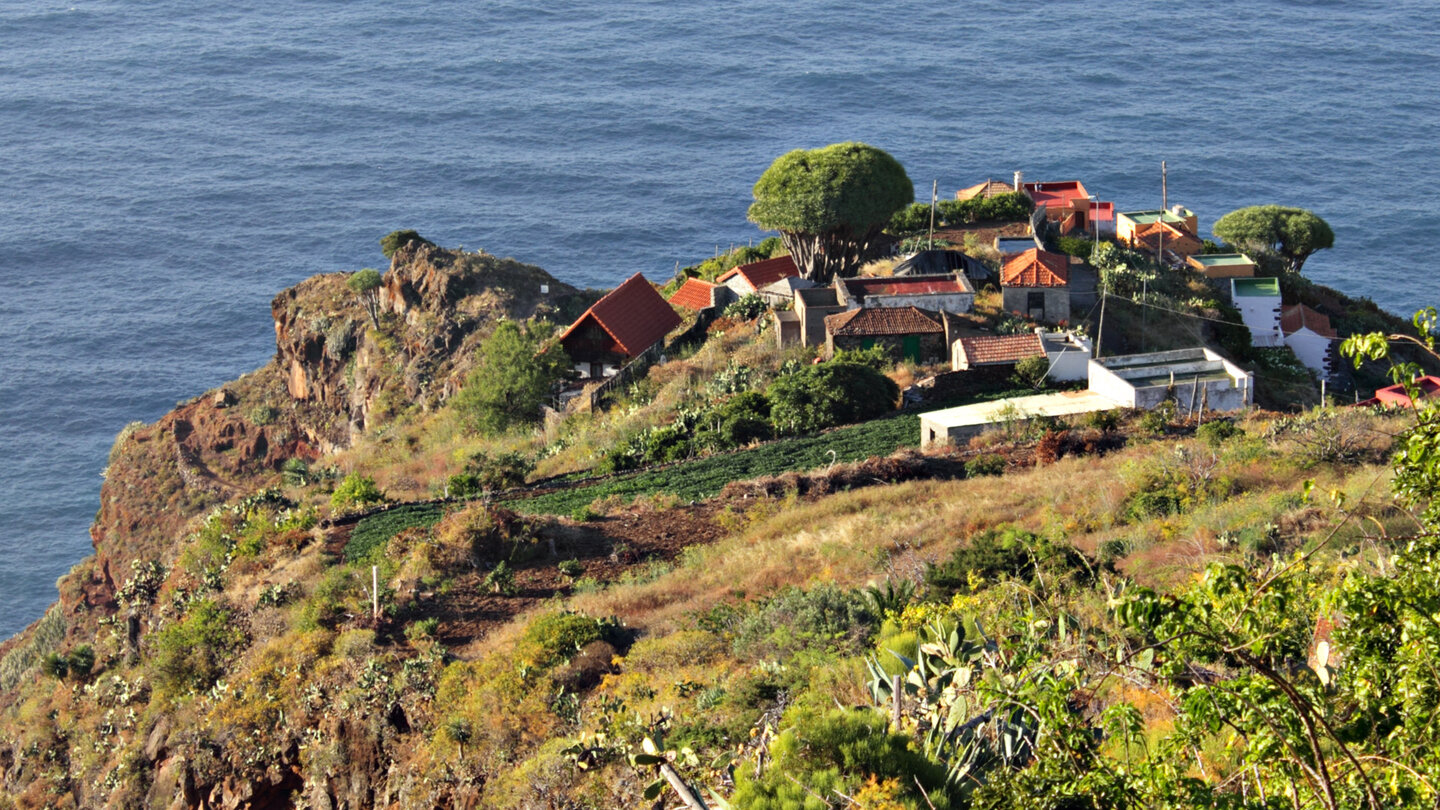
1218,432
393,241
817,397
1032,371
1103,420
746,308
913,218
825,752
500,580
190,655
1078,246
263,414
296,472
81,660
555,637
485,474
356,491
1157,420
743,419
571,569
877,357
422,629
516,372
1008,551
825,617
55,665
985,464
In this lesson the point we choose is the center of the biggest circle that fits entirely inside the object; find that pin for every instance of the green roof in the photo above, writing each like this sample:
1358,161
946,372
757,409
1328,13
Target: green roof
1222,259
1256,287
1147,217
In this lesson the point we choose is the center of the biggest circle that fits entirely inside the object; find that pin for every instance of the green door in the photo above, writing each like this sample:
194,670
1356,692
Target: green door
910,347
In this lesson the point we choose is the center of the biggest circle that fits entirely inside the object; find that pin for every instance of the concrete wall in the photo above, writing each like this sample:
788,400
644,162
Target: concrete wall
1113,377
1313,350
958,302
812,306
1262,315
1069,356
1057,302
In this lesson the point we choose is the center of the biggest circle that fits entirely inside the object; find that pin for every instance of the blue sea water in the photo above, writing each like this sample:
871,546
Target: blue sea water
166,167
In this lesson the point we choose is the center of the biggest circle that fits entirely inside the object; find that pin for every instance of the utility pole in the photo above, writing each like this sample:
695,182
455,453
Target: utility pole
934,190
1164,192
1100,329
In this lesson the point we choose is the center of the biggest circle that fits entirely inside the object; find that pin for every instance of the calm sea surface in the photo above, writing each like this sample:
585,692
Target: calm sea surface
167,167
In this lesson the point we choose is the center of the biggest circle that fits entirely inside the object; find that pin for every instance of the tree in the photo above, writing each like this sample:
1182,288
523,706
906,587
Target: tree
516,374
1276,231
366,285
829,204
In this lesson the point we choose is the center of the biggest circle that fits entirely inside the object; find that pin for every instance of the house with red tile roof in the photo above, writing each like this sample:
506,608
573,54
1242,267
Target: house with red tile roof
1036,285
906,331
986,190
698,294
1309,334
629,321
1395,396
995,350
747,279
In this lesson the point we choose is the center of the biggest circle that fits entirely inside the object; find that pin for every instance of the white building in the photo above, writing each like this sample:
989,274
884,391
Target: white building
1258,300
1310,335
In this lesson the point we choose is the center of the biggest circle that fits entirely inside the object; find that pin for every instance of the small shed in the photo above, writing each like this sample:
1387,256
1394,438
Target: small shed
629,321
905,331
748,279
995,350
1194,378
1036,285
1223,265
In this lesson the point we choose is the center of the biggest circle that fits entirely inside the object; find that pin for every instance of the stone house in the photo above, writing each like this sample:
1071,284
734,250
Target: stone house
906,331
1036,285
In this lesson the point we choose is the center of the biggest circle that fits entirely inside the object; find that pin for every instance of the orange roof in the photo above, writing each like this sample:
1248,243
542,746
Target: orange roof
882,321
985,190
761,274
1036,268
1299,316
694,294
1001,349
1395,396
633,314
1177,239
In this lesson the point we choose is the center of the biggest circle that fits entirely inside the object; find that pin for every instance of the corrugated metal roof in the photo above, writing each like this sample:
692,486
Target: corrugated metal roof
633,314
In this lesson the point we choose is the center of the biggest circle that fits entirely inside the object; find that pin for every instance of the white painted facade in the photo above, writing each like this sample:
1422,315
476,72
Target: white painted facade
1312,349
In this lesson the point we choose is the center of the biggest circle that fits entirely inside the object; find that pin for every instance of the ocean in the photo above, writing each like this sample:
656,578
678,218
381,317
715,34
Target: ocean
167,167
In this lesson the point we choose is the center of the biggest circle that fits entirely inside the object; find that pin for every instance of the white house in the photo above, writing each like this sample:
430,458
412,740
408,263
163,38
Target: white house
1310,335
1258,300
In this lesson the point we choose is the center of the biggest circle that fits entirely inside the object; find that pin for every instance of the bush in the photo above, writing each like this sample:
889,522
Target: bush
1010,207
571,569
485,474
817,397
1218,432
913,218
839,751
356,491
555,637
743,419
877,357
1032,371
190,655
1007,551
985,464
1103,420
422,629
824,617
393,241
1078,246
1157,420
746,308
81,660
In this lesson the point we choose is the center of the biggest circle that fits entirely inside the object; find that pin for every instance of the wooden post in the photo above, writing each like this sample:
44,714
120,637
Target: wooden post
375,593
934,189
895,703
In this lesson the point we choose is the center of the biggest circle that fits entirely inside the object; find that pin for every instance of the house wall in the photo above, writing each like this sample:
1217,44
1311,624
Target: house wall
812,314
1057,302
958,302
1312,349
1111,378
932,346
1069,357
1262,315
738,286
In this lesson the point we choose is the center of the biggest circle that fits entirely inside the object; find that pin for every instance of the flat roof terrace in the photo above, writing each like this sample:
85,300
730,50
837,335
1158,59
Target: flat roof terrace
968,420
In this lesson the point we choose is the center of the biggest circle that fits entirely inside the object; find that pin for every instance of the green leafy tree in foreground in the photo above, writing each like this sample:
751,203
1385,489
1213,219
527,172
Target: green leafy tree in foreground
516,374
830,203
1276,231
366,286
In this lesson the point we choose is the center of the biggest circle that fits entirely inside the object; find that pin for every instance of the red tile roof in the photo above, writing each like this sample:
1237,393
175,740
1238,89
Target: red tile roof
694,294
633,314
1036,268
902,285
987,189
875,321
1299,316
1176,239
1001,349
761,274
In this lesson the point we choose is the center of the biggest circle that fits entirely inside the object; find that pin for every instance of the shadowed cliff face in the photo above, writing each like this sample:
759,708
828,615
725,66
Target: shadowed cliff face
334,375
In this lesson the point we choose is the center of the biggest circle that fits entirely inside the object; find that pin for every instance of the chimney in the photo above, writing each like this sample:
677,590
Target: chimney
1178,210
1019,181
